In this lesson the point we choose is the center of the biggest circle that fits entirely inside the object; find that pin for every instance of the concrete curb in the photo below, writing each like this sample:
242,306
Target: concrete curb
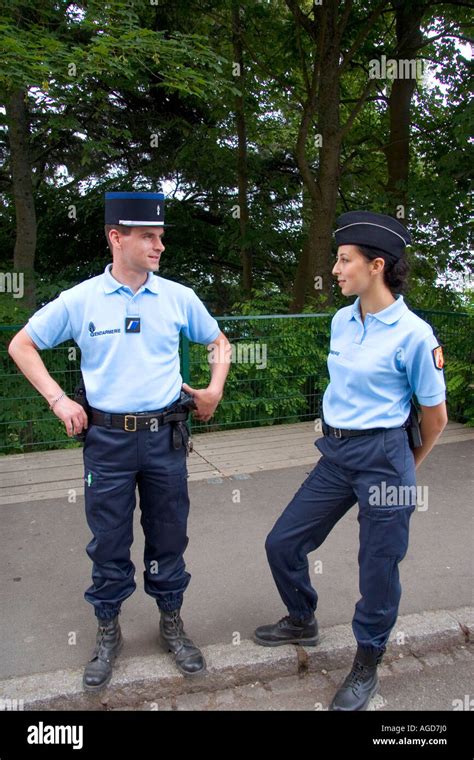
142,679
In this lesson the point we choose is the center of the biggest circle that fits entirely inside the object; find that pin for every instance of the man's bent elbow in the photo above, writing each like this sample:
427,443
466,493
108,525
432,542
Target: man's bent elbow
20,340
12,346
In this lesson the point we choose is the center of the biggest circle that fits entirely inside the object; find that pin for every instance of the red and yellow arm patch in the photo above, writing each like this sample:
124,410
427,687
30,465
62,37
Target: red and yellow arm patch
438,357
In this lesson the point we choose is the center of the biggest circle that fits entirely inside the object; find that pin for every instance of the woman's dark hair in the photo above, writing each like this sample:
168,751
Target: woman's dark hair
395,271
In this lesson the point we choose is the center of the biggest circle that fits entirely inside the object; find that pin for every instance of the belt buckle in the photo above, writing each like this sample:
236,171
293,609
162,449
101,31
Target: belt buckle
337,432
125,426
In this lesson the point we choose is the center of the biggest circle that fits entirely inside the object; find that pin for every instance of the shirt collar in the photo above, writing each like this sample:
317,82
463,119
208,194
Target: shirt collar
388,315
111,284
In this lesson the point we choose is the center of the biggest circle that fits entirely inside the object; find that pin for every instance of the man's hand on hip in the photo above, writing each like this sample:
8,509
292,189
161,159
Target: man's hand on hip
72,414
206,400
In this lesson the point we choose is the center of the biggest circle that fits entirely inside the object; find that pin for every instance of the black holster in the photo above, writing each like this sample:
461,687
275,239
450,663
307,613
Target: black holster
413,429
80,397
181,433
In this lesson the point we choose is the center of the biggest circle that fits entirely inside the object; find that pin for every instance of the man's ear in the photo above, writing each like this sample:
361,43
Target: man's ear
114,236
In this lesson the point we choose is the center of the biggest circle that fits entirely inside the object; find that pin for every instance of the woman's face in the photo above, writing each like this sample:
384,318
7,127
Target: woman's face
355,274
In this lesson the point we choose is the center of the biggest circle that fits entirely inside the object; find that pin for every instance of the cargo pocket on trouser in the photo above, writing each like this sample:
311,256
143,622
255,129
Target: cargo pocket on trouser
388,544
383,544
109,506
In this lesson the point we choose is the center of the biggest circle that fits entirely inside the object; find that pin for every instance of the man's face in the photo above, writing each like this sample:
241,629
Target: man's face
141,250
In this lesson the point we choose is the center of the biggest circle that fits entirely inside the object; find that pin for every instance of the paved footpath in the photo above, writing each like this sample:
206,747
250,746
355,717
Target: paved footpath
437,681
50,629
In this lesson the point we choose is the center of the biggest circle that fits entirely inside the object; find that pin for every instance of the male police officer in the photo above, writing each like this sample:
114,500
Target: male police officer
127,322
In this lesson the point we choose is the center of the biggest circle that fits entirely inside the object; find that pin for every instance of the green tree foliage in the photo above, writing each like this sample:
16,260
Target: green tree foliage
126,95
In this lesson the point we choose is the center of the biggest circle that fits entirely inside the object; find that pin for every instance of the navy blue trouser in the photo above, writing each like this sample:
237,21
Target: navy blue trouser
360,469
115,463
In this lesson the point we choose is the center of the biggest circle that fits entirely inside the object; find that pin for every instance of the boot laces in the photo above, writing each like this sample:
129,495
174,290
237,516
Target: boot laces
176,621
103,630
288,619
354,678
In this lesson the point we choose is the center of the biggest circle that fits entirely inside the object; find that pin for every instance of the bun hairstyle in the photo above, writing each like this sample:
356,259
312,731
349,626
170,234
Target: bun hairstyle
395,271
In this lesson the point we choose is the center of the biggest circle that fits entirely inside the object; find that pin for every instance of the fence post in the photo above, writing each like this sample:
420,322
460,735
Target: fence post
185,366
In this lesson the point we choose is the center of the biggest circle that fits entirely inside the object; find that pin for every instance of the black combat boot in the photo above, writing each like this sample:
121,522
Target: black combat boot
109,643
361,684
188,658
288,631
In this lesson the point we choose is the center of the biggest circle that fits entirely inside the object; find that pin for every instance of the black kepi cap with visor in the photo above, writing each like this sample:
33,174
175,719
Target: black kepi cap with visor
135,209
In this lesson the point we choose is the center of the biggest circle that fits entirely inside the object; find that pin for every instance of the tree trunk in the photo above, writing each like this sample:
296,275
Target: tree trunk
21,171
242,180
322,222
409,38
300,285
323,99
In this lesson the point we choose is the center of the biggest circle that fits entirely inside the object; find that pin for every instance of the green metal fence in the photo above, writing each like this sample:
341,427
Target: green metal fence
278,376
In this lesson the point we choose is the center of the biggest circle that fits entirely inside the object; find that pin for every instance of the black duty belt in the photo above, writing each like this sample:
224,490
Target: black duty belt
138,421
340,433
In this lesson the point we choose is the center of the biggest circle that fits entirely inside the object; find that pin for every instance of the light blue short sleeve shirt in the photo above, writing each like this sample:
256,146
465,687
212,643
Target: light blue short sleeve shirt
126,371
377,365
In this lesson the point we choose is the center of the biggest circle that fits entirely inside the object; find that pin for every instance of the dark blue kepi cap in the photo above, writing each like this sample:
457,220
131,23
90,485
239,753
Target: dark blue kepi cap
135,209
373,230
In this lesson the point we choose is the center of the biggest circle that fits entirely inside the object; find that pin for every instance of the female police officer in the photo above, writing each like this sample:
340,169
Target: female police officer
380,354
